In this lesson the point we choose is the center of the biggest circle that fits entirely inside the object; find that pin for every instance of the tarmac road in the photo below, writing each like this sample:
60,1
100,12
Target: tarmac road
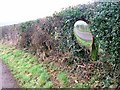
6,78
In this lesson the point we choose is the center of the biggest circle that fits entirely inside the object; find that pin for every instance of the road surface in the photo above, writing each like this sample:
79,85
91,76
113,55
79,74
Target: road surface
6,78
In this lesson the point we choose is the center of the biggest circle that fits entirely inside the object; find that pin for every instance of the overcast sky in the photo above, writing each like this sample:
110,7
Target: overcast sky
15,11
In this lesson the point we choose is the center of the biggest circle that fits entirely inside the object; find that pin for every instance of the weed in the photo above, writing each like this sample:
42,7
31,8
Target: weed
62,77
49,84
43,78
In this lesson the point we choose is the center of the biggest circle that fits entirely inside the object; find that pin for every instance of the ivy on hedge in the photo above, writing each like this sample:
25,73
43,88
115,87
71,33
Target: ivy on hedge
106,28
104,21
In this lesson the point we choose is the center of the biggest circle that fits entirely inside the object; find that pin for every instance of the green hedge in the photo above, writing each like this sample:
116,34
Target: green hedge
106,28
64,21
104,21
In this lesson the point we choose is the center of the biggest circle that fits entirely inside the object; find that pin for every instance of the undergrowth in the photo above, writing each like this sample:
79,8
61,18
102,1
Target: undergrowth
29,73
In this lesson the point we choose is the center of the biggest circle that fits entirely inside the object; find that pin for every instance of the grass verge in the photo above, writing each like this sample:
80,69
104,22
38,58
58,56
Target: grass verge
25,68
30,73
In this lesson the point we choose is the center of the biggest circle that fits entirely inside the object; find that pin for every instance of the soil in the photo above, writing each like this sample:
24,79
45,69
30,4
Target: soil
6,78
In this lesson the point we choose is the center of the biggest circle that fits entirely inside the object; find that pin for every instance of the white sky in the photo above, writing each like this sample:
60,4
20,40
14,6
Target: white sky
15,11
